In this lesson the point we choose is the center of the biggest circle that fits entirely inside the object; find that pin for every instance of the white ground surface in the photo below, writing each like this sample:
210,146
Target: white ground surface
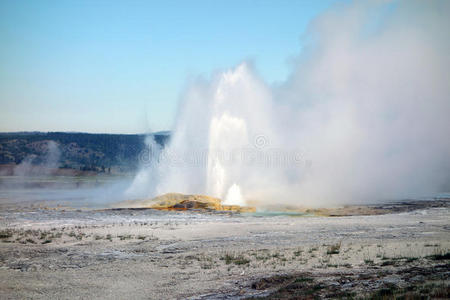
145,254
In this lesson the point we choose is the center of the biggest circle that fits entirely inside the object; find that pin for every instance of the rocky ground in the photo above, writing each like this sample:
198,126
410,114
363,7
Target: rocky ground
146,253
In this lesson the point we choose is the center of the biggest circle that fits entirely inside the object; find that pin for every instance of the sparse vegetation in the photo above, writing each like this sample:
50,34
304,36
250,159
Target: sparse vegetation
6,234
124,237
411,259
440,255
311,250
388,263
235,259
303,279
334,249
241,261
424,291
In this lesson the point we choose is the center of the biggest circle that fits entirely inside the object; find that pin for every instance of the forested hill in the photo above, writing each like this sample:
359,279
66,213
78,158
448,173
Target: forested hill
78,151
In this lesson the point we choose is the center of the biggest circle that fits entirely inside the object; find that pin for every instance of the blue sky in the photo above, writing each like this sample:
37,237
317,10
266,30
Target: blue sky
120,66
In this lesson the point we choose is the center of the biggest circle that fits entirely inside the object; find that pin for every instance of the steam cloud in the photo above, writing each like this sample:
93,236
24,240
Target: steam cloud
365,114
46,164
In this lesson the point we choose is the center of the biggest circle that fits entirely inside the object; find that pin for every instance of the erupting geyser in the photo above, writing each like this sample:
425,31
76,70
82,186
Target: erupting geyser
234,196
214,128
363,117
225,133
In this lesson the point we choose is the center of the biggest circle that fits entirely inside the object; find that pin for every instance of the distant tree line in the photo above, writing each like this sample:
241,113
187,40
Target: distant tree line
83,151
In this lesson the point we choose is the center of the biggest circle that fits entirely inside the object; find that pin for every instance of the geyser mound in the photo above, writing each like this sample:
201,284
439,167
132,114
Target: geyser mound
177,201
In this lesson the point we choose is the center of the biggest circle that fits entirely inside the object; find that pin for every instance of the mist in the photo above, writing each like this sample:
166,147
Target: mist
38,180
44,164
363,117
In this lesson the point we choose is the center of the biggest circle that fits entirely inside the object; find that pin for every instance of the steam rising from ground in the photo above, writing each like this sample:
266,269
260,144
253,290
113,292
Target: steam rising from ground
363,117
44,166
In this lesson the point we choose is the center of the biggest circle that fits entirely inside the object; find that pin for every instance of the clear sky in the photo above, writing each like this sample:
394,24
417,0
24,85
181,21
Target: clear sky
120,66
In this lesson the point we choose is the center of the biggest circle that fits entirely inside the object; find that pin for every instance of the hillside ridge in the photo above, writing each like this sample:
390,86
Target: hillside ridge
98,152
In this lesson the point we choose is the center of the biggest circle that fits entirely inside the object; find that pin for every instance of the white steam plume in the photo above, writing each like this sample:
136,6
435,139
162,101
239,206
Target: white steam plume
364,117
47,164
